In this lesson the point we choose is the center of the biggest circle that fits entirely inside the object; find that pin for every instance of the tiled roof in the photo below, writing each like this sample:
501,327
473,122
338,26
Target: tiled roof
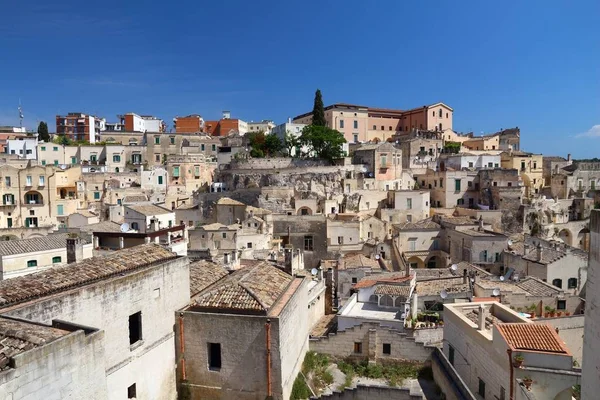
393,290
548,255
248,290
435,286
203,274
17,337
351,261
217,226
434,273
536,287
58,279
371,280
139,198
229,202
504,286
533,337
149,209
86,213
104,226
50,242
423,224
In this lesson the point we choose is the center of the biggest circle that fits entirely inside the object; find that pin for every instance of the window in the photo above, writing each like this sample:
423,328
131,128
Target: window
340,240
483,256
43,148
354,280
440,126
135,327
55,148
132,392
355,138
470,164
116,158
557,283
156,139
56,259
572,283
249,245
497,257
457,185
481,390
42,180
446,115
224,235
134,226
355,124
561,305
202,147
214,147
412,244
160,180
502,393
73,160
214,356
535,165
176,172
157,157
374,127
358,347
28,180
96,195
60,209
451,354
56,162
43,162
409,218
172,139
409,204
470,183
440,113
32,263
341,124
387,348
522,165
308,243
9,222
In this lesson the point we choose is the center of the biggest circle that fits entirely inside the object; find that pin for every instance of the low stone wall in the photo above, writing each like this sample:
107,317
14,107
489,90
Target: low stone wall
430,336
372,336
273,163
363,392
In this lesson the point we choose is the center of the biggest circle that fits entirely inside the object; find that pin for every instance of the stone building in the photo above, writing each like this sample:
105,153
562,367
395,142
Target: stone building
119,312
421,151
530,167
307,233
420,244
243,336
383,162
580,179
405,206
450,188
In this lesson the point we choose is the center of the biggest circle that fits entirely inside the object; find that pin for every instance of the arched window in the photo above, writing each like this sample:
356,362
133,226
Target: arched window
557,283
374,299
134,226
572,283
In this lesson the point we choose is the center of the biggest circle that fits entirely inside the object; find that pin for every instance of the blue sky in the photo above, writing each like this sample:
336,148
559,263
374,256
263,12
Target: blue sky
532,64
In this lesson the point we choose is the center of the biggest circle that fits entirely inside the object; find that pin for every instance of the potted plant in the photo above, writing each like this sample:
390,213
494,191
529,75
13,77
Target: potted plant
552,312
518,360
441,323
567,313
559,313
547,311
527,381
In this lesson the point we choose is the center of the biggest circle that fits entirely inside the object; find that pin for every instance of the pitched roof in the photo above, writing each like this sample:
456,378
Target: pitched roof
58,279
251,290
371,280
17,337
533,337
229,202
50,242
135,198
203,274
548,255
217,226
536,287
435,286
422,224
104,226
393,290
149,209
351,261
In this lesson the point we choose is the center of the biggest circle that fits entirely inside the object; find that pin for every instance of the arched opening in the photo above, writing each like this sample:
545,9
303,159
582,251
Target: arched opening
374,299
63,193
386,301
433,262
565,236
34,197
117,169
415,262
583,239
304,211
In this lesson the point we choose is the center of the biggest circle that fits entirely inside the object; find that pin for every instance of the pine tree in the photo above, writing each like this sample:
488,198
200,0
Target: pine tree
318,116
42,131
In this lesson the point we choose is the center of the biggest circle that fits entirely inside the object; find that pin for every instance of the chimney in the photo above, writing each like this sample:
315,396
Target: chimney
74,250
525,249
539,251
289,257
465,277
482,315
569,157
329,291
480,223
289,120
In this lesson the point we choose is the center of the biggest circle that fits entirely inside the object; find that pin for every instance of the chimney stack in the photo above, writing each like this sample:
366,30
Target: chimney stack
74,250
465,277
480,223
539,251
482,315
569,157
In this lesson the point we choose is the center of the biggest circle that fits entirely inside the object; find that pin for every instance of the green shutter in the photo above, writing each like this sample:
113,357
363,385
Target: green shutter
60,209
176,171
160,180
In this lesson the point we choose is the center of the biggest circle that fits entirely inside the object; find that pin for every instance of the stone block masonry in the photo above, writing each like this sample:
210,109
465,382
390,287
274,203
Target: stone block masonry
374,340
363,392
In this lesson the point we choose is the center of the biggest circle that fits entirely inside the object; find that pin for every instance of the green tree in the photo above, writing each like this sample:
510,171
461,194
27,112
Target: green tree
290,143
42,131
62,139
318,114
451,147
272,145
323,142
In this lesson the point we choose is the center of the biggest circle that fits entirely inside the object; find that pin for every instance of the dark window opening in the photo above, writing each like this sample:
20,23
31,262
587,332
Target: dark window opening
561,305
135,327
131,392
481,390
214,356
354,280
358,347
387,348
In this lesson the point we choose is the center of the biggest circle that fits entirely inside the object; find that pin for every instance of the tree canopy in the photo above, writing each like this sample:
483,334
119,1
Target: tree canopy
262,145
42,131
323,142
318,114
452,147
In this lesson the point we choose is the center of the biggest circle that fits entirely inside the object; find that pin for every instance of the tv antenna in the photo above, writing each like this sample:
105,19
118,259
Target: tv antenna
21,116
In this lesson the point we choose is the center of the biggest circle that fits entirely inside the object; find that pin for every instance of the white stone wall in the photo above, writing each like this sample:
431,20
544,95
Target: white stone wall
107,305
71,367
591,345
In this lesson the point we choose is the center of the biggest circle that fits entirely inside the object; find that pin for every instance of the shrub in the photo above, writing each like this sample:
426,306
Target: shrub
300,389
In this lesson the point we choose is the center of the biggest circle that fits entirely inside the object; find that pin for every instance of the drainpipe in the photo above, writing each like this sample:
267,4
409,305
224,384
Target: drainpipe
512,374
268,338
182,348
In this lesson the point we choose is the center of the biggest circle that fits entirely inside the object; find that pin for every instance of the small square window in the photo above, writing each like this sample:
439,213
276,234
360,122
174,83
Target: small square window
249,245
358,347
354,280
561,305
387,348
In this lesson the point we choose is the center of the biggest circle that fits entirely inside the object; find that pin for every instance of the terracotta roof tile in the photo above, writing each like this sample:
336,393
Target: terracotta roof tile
229,202
149,209
203,274
351,261
393,290
371,280
50,242
533,337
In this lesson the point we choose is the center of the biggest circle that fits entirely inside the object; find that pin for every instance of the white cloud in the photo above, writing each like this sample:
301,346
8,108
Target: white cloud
593,132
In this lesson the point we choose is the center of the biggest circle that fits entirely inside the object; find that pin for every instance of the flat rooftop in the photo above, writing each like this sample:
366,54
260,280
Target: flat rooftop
371,311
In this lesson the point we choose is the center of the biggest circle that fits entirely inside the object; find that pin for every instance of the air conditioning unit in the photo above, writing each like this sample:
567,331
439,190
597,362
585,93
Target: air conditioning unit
31,201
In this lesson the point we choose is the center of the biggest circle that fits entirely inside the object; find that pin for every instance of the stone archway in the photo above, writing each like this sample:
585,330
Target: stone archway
416,260
433,262
566,236
583,239
304,211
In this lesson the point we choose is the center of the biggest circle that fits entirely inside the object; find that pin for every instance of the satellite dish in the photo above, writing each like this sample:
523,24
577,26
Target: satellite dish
125,227
454,267
510,242
443,294
63,167
377,257
496,292
502,279
314,271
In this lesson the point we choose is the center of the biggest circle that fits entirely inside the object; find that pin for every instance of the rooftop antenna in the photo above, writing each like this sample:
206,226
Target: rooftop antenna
21,116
